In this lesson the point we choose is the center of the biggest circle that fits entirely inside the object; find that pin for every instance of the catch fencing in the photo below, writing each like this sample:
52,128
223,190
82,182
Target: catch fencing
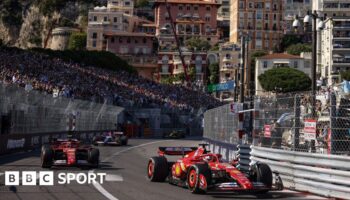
29,118
25,112
304,137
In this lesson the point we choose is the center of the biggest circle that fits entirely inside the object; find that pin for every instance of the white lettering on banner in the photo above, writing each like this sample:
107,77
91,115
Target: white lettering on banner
267,131
14,144
310,129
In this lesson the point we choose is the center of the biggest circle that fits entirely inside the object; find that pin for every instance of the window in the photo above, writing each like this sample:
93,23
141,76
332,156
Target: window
180,7
95,18
115,19
250,5
207,18
188,7
94,44
295,64
208,8
265,64
127,3
136,41
195,7
144,40
94,35
105,18
112,40
128,40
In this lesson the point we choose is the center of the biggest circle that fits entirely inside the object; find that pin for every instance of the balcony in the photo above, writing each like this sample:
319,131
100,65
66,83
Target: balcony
227,59
341,47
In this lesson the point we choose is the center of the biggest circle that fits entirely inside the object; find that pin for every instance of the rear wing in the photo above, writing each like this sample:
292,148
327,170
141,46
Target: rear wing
175,151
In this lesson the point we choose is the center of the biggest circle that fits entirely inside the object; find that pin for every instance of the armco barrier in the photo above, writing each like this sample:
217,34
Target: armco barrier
327,175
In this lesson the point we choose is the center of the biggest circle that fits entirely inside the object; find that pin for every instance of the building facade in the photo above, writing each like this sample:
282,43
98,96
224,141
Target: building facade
115,29
335,49
261,19
264,63
293,8
229,59
333,42
193,18
169,64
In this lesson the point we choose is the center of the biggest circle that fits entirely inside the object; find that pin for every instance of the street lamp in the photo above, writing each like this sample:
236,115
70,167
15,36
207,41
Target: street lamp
312,19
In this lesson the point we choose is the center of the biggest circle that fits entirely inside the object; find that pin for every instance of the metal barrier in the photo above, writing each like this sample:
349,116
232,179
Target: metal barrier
327,175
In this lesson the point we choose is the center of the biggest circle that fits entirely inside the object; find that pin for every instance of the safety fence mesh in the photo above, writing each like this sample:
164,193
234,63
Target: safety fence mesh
299,122
32,111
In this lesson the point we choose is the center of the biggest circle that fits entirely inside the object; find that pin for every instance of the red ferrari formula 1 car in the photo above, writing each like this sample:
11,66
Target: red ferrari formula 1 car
202,171
69,152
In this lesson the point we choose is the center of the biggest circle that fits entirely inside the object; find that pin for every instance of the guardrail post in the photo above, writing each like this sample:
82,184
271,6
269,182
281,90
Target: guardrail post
296,121
333,113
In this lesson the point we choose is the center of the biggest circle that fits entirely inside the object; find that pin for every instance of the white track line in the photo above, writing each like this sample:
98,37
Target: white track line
99,187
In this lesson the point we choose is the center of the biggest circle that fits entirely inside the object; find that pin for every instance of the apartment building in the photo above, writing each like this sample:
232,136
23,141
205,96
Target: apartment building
293,8
223,19
261,19
115,29
193,18
170,64
335,49
229,59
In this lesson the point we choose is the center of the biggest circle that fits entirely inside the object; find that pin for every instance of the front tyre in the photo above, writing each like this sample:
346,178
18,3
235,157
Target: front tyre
263,174
94,157
157,169
47,155
198,178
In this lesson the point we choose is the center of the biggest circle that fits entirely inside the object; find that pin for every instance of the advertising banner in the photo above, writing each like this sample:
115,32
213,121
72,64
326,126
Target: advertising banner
310,129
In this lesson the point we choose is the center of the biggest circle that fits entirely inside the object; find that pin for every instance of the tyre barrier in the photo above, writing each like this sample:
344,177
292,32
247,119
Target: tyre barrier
244,156
327,175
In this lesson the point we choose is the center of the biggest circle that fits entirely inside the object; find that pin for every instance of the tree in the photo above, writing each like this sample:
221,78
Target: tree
196,43
284,79
11,12
296,49
289,40
192,73
214,73
77,41
345,75
141,3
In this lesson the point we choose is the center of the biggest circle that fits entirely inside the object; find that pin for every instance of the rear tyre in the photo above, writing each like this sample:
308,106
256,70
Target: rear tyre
263,175
124,140
198,178
47,155
94,157
157,169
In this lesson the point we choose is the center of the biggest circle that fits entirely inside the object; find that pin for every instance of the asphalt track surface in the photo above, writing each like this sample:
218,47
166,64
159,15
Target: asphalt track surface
126,169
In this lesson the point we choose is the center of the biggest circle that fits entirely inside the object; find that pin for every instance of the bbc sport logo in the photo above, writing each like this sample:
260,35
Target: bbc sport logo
47,178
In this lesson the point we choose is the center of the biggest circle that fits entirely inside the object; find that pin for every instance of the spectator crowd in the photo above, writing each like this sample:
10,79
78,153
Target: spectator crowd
37,71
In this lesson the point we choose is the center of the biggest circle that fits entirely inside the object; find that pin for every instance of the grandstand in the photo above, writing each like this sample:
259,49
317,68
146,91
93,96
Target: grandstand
38,71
